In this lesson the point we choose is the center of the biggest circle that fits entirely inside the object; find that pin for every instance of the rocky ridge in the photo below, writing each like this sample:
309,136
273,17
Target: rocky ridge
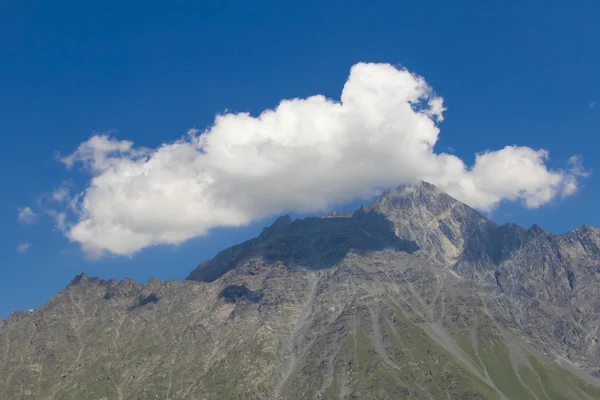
415,296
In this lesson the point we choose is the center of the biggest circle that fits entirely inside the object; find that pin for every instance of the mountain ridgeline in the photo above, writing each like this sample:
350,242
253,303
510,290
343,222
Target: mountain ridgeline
416,296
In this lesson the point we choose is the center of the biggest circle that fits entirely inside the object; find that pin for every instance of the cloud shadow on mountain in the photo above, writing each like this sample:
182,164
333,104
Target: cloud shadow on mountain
313,243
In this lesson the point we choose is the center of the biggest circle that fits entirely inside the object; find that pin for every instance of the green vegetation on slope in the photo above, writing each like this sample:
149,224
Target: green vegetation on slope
499,367
467,347
532,381
560,384
404,363
435,369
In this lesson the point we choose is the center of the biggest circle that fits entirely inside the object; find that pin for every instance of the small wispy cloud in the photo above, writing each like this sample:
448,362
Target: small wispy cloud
59,219
577,168
27,216
593,104
23,248
62,193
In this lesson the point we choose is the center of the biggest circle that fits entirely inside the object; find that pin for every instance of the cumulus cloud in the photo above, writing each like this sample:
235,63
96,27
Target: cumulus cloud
303,156
23,247
26,215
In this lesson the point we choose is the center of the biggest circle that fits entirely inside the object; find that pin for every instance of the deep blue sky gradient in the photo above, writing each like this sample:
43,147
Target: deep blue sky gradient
512,72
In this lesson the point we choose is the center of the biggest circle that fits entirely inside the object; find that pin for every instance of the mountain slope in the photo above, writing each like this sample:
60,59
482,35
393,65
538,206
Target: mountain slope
416,296
449,232
553,283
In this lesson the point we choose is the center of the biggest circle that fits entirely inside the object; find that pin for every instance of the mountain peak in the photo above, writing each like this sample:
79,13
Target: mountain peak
79,278
282,221
536,229
409,217
586,228
419,187
277,226
422,195
448,232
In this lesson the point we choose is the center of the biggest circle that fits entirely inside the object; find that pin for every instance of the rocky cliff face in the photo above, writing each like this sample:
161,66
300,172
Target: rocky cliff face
449,232
553,283
415,296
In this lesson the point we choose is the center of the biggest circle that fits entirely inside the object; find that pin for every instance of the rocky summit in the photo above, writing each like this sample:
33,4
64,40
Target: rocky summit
416,296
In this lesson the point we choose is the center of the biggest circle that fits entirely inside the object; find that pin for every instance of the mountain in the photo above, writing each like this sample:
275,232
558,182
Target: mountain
451,233
416,296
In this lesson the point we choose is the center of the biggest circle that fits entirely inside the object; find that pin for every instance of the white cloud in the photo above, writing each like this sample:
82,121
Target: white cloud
303,156
592,104
26,215
23,247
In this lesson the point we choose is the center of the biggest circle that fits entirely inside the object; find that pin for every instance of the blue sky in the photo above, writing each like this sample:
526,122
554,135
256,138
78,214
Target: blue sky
523,73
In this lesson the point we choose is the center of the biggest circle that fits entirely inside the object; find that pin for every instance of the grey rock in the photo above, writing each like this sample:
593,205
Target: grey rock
414,296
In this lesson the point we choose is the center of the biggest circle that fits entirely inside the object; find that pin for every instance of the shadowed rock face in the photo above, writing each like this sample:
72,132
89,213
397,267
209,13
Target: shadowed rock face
415,296
235,293
313,243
